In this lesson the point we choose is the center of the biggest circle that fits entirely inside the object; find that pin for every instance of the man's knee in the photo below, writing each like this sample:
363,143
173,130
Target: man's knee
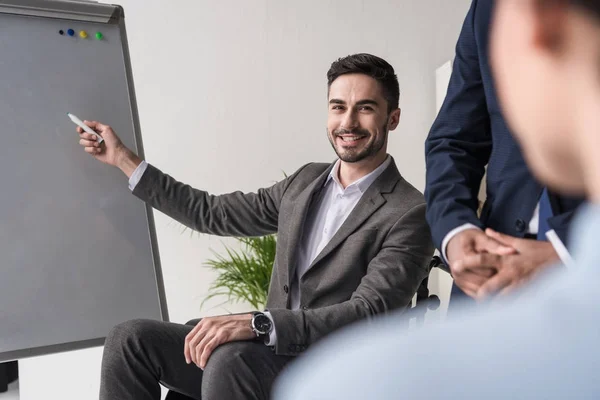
227,357
228,363
128,334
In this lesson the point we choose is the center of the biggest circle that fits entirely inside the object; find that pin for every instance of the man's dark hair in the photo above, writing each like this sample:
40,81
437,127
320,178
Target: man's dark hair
589,5
592,6
370,65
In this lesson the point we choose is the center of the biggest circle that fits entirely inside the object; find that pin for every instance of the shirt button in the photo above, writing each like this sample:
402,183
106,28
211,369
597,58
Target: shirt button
520,225
286,288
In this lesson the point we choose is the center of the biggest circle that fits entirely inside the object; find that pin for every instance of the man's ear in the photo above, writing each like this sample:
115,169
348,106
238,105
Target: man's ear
549,24
394,119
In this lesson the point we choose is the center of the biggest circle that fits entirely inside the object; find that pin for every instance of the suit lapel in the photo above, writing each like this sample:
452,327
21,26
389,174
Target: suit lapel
370,202
301,207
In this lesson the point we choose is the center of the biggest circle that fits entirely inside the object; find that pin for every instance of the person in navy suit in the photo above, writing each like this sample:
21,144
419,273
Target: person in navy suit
469,133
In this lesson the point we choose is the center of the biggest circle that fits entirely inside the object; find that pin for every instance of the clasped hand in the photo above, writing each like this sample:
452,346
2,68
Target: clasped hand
486,264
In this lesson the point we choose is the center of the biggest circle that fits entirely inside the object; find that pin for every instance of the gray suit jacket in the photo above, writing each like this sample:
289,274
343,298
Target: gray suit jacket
373,264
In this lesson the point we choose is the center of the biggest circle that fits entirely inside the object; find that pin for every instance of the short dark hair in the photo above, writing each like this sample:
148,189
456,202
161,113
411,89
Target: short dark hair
589,5
592,6
370,65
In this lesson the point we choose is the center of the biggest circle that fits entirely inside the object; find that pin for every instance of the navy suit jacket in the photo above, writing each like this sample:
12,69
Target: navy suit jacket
471,132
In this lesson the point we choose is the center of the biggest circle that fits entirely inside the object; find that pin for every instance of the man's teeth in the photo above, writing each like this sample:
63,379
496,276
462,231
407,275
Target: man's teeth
350,138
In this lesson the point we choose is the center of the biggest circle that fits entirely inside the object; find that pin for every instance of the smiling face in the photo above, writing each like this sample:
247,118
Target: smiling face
358,120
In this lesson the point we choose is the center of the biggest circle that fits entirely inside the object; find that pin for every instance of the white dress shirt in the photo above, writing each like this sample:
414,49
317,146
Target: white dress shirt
325,216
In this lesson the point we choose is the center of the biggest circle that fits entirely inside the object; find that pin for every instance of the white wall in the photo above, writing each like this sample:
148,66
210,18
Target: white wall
440,282
232,93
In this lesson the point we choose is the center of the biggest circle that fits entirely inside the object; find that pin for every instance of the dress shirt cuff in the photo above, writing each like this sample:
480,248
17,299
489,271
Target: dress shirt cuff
560,248
134,179
273,334
453,233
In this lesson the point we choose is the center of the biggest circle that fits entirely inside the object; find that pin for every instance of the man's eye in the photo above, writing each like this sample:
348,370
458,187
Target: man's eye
365,108
337,108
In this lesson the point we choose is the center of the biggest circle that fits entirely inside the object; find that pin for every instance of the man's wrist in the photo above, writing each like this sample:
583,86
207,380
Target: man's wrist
452,234
128,161
262,326
553,254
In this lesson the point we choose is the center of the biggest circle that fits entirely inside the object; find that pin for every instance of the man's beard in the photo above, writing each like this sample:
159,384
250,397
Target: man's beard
372,147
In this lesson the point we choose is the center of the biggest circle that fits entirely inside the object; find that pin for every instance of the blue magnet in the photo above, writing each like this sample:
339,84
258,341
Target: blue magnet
71,32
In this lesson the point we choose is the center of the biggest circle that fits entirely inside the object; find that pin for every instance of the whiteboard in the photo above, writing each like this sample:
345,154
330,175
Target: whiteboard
78,251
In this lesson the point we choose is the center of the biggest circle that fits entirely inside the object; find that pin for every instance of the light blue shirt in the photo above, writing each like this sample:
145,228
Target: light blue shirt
323,221
542,343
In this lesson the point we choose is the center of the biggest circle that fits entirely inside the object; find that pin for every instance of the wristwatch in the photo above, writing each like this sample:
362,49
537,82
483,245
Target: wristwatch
262,326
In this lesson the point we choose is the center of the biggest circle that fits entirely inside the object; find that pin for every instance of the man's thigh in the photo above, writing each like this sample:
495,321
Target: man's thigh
140,353
235,370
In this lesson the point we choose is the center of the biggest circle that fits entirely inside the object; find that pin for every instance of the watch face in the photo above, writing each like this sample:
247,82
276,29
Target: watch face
262,324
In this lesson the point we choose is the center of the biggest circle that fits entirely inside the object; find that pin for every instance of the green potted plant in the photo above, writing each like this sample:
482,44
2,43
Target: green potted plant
244,275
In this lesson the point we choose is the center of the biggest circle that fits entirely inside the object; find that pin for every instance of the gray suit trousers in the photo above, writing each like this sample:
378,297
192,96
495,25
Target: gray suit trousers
139,354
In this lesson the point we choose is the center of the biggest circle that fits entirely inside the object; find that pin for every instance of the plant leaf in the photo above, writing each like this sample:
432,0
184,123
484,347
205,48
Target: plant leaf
244,275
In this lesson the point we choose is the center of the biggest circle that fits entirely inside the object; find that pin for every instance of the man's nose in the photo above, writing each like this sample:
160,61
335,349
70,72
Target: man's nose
350,121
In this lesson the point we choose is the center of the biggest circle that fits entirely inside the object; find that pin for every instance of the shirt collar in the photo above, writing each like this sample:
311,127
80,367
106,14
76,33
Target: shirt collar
363,183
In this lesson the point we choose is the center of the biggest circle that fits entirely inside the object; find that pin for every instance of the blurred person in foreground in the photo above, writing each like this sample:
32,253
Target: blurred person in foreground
540,343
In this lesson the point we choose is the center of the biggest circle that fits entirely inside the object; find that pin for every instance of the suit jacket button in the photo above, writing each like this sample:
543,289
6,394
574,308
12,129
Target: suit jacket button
286,288
520,225
305,308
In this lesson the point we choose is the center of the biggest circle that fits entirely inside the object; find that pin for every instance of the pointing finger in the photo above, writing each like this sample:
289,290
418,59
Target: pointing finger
89,143
88,136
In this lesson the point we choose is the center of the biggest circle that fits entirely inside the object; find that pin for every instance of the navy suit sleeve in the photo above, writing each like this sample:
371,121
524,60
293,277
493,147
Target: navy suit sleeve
459,144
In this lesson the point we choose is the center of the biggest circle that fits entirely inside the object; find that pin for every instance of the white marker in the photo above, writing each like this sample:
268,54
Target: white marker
83,126
560,248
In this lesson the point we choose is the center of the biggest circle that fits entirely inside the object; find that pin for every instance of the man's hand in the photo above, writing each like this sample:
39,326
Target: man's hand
514,270
481,250
112,151
214,331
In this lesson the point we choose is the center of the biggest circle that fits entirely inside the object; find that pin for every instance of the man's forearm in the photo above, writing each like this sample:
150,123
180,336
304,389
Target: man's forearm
299,329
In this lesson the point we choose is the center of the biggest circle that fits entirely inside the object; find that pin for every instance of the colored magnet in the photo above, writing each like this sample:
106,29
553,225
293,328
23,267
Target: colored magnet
83,34
71,32
99,35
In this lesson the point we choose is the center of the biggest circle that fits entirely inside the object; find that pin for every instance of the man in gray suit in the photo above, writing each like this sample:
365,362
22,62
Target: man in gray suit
352,243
